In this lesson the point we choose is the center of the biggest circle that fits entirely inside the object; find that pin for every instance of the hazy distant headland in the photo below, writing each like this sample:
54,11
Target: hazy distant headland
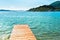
7,10
4,10
55,6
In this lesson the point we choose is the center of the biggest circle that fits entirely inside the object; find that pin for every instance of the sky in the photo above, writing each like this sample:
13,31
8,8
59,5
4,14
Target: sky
23,4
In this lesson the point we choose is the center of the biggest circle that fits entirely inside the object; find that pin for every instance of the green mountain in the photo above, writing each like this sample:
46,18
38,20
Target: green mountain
56,4
52,7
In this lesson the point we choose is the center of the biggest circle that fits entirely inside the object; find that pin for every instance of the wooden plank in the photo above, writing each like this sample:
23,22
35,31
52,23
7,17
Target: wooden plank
22,32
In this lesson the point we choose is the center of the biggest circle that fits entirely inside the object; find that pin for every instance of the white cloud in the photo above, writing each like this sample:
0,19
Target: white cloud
14,8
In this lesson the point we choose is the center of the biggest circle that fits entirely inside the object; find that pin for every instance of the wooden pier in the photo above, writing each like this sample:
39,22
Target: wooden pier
22,32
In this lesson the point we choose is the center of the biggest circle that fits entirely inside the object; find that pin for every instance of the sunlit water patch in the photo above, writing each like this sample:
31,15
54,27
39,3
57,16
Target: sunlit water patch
44,25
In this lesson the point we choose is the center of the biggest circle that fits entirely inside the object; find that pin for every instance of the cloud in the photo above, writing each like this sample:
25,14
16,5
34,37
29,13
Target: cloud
23,4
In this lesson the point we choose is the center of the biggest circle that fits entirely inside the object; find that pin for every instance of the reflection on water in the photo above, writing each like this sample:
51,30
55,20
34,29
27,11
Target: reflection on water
44,26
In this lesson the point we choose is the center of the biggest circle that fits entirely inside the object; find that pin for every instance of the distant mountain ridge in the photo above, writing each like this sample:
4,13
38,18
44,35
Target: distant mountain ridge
55,6
4,10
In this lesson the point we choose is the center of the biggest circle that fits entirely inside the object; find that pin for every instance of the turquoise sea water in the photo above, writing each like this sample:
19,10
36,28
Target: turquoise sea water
44,25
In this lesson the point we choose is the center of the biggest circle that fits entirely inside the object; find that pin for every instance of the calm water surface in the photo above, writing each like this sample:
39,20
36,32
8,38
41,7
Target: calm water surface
44,25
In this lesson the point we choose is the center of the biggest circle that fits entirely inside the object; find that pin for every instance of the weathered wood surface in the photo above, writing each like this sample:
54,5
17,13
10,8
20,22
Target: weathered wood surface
22,32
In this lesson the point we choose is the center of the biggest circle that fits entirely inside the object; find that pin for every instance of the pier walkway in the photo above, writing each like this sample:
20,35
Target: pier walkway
22,32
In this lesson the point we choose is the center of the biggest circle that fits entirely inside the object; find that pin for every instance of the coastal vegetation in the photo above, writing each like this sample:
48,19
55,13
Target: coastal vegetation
55,6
